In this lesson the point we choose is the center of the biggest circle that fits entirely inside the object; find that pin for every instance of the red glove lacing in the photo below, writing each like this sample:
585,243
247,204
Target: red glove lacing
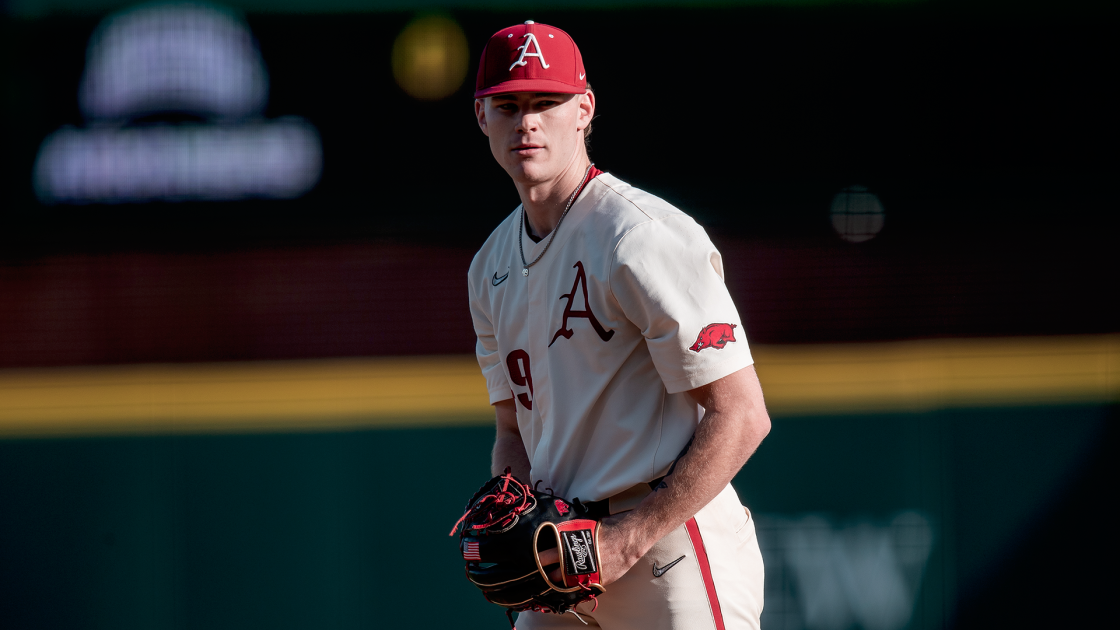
501,498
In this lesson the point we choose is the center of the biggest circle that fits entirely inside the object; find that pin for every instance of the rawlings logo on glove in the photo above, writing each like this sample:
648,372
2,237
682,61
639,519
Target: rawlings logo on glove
579,546
506,526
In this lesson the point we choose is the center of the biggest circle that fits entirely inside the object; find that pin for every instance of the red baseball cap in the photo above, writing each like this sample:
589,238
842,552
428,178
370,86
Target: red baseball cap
530,57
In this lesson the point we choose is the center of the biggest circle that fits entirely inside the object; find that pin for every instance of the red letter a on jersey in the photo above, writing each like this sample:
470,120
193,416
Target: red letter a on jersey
565,332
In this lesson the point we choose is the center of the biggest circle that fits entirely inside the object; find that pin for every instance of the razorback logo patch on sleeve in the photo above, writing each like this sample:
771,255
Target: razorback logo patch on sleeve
714,336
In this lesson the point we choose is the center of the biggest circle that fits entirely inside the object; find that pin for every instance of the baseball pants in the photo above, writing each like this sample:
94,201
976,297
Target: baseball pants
715,583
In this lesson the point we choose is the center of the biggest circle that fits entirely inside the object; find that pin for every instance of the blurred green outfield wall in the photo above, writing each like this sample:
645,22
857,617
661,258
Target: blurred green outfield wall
349,529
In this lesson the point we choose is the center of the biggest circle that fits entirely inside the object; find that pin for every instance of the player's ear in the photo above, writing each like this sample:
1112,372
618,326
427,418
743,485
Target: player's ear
586,109
480,114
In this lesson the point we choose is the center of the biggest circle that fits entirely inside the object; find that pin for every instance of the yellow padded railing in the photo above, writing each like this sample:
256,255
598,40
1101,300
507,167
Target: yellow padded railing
339,394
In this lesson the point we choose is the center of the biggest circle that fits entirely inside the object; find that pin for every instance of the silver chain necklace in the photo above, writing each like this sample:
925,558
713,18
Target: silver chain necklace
521,249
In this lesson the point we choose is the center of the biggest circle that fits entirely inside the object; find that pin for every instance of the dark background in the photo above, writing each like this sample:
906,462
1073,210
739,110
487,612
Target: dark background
969,124
986,130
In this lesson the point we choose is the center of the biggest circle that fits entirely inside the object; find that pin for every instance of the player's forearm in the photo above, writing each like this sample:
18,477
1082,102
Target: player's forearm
509,449
730,432
509,452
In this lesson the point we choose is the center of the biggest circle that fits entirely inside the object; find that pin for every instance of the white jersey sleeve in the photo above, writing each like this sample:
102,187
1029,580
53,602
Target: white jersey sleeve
667,276
486,348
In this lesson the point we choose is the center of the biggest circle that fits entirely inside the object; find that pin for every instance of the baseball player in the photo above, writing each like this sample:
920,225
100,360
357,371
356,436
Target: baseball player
614,356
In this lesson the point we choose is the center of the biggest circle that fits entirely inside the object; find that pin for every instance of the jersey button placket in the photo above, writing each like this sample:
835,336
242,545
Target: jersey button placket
536,288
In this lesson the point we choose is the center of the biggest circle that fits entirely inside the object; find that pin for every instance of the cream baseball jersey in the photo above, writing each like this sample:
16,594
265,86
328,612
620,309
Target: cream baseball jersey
599,341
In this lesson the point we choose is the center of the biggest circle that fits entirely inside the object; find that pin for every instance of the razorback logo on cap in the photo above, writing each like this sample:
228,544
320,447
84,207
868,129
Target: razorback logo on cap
530,57
714,336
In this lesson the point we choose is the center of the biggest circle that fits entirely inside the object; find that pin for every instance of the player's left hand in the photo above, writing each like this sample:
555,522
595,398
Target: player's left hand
613,562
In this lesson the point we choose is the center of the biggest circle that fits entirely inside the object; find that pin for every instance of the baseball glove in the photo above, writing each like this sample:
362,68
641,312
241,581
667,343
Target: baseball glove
507,525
